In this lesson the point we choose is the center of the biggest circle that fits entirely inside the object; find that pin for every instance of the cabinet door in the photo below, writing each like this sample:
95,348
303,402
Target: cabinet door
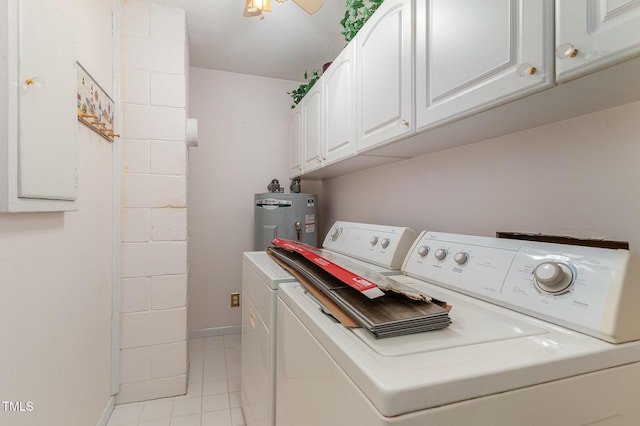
594,34
384,49
312,152
339,103
47,124
295,142
472,55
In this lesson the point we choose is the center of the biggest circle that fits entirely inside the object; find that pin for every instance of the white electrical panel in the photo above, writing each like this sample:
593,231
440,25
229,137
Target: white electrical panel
38,124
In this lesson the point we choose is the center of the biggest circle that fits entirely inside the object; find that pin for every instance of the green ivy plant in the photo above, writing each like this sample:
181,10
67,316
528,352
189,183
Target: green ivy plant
357,13
298,94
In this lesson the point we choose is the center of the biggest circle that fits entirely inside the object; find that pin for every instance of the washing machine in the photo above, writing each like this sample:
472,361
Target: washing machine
355,246
541,334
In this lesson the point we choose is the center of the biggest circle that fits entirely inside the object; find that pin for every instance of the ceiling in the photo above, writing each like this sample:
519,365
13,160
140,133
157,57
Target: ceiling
282,44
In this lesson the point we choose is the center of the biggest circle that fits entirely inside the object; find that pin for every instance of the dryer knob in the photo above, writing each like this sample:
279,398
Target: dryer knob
423,251
385,242
373,241
334,234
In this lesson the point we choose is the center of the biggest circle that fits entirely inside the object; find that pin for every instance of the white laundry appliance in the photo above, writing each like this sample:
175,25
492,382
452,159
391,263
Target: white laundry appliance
541,334
379,248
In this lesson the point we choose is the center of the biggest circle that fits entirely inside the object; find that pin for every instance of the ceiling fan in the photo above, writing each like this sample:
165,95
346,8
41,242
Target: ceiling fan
257,7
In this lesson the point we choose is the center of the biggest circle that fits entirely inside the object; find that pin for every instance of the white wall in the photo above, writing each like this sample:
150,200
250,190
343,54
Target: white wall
56,274
578,177
154,264
243,144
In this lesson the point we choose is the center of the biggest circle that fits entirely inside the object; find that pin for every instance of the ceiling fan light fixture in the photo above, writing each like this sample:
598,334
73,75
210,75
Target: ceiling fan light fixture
255,7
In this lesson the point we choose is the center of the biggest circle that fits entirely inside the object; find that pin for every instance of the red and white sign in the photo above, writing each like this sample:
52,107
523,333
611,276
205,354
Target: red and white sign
363,285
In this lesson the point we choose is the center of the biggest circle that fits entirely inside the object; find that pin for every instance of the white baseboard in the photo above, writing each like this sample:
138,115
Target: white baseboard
106,413
215,331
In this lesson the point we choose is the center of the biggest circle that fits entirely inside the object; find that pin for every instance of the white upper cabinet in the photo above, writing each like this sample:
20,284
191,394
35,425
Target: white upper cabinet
339,103
433,74
594,34
313,144
295,142
39,163
384,51
474,55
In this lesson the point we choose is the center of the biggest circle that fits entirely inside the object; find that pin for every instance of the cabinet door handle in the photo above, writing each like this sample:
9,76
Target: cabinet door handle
404,123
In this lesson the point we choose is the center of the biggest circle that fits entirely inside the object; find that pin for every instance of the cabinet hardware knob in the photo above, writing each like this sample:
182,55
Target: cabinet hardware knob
566,50
526,69
405,123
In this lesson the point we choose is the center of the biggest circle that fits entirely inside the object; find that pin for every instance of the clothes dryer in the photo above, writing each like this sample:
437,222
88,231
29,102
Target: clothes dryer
355,246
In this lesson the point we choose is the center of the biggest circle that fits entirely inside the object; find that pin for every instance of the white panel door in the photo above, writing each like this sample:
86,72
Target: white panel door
384,51
295,143
474,55
47,124
313,147
593,34
339,103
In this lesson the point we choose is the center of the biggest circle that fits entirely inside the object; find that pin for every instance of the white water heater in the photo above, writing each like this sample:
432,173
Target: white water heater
287,216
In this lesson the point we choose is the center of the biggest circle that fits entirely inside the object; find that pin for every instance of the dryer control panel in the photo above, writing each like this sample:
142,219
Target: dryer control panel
591,290
382,245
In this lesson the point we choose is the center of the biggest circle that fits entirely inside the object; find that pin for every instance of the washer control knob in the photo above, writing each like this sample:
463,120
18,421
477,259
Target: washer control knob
548,273
552,277
385,242
423,251
440,254
334,234
461,258
373,241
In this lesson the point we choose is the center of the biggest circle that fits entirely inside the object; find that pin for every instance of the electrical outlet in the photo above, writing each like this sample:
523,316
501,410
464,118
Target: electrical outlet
235,300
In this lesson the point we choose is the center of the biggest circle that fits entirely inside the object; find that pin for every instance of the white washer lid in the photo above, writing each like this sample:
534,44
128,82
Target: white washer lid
273,274
409,380
267,269
471,325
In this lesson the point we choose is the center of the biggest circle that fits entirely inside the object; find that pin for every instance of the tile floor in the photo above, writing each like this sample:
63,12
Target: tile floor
213,394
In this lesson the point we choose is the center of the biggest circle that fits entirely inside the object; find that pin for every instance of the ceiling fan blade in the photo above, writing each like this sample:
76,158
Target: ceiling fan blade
310,6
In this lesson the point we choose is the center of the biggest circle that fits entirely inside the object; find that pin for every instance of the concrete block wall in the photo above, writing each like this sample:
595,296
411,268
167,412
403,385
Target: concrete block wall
154,267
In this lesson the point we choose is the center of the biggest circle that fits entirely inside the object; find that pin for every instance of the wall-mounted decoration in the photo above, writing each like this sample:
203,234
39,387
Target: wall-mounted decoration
95,107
